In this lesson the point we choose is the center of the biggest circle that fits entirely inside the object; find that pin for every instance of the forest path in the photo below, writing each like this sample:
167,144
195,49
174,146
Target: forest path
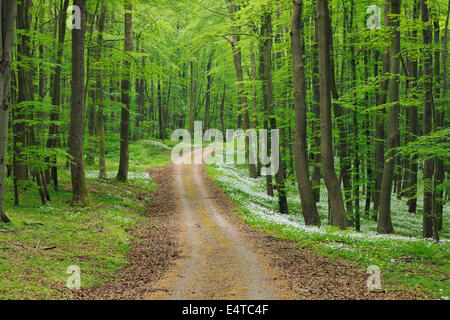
196,248
216,260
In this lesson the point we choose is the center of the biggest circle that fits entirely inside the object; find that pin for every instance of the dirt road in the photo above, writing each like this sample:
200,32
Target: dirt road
216,261
199,250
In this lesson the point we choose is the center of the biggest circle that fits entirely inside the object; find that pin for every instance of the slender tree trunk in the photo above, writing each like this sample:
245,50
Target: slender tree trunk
8,12
317,172
242,96
100,98
56,95
444,89
309,208
122,175
343,147
412,123
369,158
384,216
208,93
262,76
439,175
165,113
23,56
356,155
160,109
429,219
139,100
222,108
77,118
191,99
336,203
380,120
280,174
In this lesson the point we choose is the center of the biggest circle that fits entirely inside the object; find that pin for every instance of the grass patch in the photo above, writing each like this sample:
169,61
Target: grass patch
406,261
43,242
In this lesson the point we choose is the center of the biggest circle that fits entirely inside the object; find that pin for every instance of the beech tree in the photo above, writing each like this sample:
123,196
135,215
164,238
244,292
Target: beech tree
8,12
309,208
80,191
122,175
337,208
384,216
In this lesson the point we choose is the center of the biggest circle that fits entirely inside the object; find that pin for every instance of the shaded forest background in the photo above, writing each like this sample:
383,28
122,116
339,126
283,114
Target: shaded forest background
363,112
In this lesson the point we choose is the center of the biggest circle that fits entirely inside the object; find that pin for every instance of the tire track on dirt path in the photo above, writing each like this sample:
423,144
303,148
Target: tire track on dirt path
200,250
216,262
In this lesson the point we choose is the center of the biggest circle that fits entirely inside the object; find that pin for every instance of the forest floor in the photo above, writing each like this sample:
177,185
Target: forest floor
200,250
185,232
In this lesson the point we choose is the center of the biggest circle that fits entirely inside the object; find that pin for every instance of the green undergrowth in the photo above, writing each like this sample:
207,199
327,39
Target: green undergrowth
41,242
406,261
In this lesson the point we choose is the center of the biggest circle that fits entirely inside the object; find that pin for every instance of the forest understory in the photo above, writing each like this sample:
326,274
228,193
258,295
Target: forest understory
319,132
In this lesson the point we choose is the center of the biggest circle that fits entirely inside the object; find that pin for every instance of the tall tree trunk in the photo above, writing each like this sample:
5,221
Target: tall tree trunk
439,175
380,120
262,76
8,12
369,158
384,216
139,100
222,108
208,93
336,203
243,104
356,156
429,219
165,113
280,174
309,208
160,109
445,87
412,122
77,118
317,172
56,94
191,99
122,175
254,119
343,148
23,56
100,98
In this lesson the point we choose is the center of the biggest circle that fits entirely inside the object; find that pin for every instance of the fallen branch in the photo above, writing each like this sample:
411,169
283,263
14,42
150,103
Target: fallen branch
35,224
9,231
49,248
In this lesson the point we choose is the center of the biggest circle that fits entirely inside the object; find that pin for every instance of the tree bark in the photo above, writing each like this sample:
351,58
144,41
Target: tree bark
439,175
317,172
243,103
208,93
122,175
23,55
308,200
77,118
343,147
191,99
8,12
56,95
222,108
336,203
384,216
412,124
100,98
429,219
279,175
380,120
